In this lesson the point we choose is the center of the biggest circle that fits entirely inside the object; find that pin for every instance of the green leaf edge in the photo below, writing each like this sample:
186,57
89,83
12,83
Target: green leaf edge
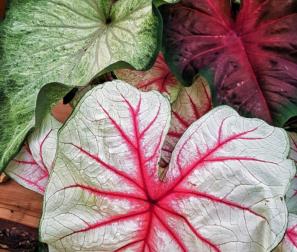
48,95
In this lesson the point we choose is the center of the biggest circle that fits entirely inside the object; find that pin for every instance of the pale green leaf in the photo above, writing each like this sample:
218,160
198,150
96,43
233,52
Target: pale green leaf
66,41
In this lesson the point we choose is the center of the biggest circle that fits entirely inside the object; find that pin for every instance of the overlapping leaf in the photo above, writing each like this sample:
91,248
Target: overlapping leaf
289,242
65,41
291,196
252,54
159,78
113,200
32,165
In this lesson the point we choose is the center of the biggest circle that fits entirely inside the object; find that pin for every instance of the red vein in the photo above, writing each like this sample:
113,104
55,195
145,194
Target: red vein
222,159
44,169
150,124
25,162
172,234
292,235
194,231
134,114
148,232
207,97
41,178
163,83
107,222
202,159
219,200
180,119
150,82
119,129
129,245
27,148
31,162
174,134
104,193
156,150
108,166
32,183
193,106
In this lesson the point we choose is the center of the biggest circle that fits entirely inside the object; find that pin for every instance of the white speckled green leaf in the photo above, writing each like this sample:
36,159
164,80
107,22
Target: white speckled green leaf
17,114
66,41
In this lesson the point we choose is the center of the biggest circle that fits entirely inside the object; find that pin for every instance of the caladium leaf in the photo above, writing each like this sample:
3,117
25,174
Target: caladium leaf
291,196
66,41
113,200
159,78
252,55
289,243
191,103
32,165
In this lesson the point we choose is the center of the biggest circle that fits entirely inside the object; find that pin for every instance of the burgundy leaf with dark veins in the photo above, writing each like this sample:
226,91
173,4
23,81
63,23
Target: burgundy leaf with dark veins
253,56
104,192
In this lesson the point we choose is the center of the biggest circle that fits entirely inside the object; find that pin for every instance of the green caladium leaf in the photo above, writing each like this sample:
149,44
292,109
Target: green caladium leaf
17,115
66,41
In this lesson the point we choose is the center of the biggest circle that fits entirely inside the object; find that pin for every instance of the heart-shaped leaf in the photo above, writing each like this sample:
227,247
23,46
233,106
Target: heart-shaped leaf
66,41
252,54
31,167
223,191
159,78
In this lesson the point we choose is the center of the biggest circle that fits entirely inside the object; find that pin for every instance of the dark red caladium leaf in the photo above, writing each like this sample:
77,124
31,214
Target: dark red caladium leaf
252,54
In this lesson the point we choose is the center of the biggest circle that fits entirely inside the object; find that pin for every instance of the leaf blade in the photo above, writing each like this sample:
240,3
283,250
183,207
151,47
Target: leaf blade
251,57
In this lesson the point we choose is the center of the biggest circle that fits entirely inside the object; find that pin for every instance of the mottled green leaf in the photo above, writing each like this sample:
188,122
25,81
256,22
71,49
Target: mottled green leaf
17,116
65,41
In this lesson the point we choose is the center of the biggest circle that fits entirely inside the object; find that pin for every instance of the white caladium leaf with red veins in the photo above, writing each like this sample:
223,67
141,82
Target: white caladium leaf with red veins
191,103
223,191
291,196
289,243
33,163
159,78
